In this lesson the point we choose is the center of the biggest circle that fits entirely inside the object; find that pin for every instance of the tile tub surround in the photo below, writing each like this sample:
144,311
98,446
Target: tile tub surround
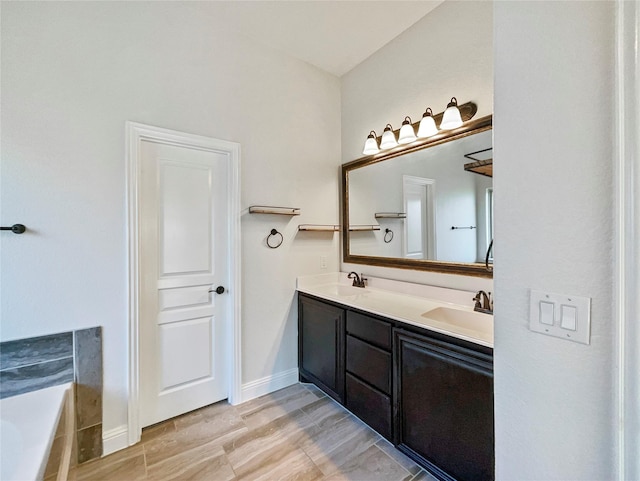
88,376
35,363
76,356
404,302
295,433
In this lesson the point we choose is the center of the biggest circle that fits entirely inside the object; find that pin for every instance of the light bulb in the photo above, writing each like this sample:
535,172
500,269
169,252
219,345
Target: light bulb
407,134
388,138
451,118
371,144
427,126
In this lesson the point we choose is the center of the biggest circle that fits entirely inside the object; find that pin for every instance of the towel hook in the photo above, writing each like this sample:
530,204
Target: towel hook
15,228
274,233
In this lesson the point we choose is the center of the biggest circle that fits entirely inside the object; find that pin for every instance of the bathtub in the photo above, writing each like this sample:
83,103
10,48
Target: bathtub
28,424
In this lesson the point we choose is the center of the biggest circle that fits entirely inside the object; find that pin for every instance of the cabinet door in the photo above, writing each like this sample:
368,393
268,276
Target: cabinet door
321,345
444,407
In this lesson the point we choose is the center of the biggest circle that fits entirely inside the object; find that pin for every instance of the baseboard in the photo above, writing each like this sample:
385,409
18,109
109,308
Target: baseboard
269,384
114,440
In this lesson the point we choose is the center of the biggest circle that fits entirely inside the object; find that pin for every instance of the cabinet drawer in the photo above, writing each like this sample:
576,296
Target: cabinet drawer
373,407
372,330
369,363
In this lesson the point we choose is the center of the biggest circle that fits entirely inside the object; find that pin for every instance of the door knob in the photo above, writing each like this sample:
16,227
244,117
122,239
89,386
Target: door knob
217,290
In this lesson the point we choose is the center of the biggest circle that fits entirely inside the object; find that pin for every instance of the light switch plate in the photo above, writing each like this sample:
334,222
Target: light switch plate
539,321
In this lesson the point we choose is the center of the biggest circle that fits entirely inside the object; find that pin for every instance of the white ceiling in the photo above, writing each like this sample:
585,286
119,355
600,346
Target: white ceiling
333,35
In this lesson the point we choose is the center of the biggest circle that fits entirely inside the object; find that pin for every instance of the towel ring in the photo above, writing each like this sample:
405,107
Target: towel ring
274,233
388,236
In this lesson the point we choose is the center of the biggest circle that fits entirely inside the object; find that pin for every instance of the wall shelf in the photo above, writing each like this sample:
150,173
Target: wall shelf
390,215
482,162
319,227
360,228
268,209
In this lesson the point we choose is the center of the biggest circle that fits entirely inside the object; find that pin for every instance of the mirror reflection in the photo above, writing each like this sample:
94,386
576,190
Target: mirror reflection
433,204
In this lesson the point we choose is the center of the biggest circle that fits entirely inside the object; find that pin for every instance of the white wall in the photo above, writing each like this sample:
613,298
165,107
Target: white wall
553,146
447,53
72,74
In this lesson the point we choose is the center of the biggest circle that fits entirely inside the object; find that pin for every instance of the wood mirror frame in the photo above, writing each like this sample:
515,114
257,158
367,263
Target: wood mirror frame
470,127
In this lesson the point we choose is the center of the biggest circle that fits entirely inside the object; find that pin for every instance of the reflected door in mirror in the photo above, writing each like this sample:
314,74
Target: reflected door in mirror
419,231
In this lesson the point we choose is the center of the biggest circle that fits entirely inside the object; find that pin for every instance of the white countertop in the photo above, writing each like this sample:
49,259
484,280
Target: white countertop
405,302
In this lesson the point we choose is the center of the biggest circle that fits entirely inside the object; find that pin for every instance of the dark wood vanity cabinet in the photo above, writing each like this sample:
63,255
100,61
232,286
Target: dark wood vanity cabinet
428,393
321,334
444,403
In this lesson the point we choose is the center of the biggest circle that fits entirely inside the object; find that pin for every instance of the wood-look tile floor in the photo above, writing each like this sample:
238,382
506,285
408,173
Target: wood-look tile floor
297,433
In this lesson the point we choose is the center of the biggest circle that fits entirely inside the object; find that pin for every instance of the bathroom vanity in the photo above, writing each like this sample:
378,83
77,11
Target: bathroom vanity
417,370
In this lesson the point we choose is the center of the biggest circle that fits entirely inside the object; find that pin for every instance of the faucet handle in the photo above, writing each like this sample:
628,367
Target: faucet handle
362,279
477,300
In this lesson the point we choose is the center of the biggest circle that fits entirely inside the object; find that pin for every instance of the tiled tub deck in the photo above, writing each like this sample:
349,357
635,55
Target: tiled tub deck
35,363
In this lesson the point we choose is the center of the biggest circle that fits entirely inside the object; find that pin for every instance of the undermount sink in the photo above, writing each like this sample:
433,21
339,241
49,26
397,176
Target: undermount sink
458,317
340,290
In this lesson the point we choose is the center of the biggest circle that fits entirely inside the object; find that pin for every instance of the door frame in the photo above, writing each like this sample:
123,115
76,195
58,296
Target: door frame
627,234
135,134
430,230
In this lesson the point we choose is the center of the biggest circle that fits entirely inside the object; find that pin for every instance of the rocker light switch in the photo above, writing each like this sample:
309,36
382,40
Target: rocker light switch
559,315
546,312
568,319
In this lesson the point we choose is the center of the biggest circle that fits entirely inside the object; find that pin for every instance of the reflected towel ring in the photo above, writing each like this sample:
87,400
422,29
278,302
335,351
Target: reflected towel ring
486,259
388,235
275,233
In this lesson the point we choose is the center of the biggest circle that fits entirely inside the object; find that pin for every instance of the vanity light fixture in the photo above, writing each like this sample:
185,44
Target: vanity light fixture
427,126
371,144
388,138
407,134
451,118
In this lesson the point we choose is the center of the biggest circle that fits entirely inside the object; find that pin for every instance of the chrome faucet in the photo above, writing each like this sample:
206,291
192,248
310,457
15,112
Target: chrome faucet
358,280
484,303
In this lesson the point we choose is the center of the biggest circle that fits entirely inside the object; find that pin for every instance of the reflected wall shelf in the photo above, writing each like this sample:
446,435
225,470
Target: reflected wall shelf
319,227
482,167
357,228
268,209
390,215
482,162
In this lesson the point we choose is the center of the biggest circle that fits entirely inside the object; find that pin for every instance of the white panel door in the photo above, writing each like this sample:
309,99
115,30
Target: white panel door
184,233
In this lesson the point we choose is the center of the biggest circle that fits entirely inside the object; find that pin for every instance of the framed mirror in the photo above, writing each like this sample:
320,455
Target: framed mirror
427,205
